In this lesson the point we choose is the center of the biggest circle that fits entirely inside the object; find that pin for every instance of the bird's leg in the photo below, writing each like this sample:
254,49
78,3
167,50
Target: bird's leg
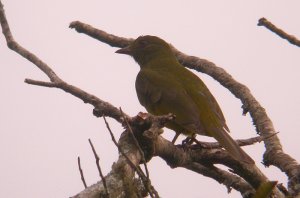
175,137
190,140
183,145
196,141
187,142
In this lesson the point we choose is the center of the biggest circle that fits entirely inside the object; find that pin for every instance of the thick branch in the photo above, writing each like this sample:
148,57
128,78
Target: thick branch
121,175
199,160
177,157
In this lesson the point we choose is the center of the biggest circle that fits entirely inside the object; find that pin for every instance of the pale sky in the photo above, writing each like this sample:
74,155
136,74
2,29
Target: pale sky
43,130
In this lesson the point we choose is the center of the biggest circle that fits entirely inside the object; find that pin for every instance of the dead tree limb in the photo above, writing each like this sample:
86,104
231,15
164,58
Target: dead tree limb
270,26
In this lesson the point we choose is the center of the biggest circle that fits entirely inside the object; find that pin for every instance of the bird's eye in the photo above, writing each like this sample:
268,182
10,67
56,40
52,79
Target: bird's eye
143,43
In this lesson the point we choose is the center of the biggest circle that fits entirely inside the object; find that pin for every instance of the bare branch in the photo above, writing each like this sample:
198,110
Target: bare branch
100,35
40,83
136,168
223,177
81,172
102,107
13,45
202,160
119,180
240,142
290,38
145,178
99,168
136,143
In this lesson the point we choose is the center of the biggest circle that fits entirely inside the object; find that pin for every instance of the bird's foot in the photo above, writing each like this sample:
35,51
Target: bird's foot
188,143
185,147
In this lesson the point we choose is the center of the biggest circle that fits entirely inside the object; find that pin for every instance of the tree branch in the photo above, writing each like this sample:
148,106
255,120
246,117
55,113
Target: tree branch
200,160
121,176
103,108
110,39
40,83
145,178
106,194
270,26
81,172
240,142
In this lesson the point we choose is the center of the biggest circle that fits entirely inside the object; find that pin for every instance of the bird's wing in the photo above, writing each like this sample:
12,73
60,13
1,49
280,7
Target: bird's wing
160,95
211,116
210,112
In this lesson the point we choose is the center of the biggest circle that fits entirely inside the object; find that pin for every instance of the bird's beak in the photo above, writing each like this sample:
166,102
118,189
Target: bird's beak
125,50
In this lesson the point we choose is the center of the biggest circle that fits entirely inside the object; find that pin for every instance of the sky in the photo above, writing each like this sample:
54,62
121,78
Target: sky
43,130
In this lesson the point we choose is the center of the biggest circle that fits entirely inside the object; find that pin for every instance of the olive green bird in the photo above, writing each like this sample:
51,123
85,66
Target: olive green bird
164,86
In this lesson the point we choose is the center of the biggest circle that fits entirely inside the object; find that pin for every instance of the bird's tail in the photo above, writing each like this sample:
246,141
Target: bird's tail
231,146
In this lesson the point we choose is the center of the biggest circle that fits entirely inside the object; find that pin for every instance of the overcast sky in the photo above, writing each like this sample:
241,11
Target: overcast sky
43,130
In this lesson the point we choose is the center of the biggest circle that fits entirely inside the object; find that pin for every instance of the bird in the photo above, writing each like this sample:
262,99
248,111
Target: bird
165,86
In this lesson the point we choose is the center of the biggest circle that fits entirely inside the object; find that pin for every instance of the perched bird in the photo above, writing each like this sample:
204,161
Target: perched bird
164,86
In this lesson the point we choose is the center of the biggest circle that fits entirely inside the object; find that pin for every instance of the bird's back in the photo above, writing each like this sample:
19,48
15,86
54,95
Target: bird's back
181,91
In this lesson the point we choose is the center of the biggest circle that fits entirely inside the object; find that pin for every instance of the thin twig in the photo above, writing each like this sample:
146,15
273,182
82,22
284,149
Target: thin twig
290,38
81,172
40,83
99,168
139,171
136,143
240,142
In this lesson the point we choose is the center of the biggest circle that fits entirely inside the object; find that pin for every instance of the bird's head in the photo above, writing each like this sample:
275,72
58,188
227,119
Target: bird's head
147,48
